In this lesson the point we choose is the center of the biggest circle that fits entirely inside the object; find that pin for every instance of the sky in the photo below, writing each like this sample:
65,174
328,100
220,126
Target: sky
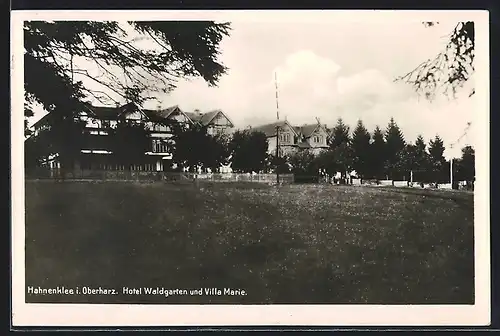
329,69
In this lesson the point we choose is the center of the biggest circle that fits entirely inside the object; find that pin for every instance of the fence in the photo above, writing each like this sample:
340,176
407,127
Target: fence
126,175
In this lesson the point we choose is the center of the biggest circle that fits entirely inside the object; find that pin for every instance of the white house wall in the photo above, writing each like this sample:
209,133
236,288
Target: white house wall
271,147
319,132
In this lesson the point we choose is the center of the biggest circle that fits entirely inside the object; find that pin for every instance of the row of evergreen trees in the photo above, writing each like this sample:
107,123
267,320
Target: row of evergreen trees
381,154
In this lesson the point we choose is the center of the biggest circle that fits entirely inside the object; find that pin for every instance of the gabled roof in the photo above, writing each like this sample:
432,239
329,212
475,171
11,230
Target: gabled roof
205,118
104,112
111,113
114,113
270,129
304,144
308,130
160,115
194,116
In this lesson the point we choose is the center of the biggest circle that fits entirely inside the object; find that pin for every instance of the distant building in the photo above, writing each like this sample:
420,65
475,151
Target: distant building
313,137
98,119
216,121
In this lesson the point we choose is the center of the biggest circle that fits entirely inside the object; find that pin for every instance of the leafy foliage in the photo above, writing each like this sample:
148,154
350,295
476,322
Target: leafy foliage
129,141
55,52
193,147
216,150
450,69
248,151
304,163
280,164
326,161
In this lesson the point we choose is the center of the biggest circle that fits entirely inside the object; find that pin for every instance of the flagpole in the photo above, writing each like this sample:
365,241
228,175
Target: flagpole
277,131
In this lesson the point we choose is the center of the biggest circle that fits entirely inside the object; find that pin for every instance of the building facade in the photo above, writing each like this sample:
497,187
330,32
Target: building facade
313,137
95,150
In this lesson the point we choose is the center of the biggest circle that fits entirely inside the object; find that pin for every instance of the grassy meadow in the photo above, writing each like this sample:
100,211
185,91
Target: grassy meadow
290,244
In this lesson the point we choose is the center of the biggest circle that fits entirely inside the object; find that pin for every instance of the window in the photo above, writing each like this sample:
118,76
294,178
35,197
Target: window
318,139
159,128
285,137
160,146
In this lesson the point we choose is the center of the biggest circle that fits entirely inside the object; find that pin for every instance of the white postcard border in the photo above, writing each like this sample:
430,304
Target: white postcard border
240,315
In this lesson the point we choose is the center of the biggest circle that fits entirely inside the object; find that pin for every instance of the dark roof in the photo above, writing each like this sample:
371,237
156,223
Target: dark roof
105,112
160,115
111,113
307,130
203,118
194,116
269,129
207,117
304,145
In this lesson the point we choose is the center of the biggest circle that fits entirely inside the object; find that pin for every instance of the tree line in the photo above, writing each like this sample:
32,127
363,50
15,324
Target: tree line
384,154
380,154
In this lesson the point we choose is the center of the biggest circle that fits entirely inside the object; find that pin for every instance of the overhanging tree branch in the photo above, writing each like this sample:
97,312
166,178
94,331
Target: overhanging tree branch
450,69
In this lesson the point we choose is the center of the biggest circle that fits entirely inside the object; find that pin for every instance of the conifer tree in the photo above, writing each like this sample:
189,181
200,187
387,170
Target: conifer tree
395,143
360,144
377,155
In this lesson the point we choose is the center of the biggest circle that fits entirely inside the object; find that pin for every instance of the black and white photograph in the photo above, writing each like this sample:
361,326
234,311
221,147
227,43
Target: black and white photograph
250,167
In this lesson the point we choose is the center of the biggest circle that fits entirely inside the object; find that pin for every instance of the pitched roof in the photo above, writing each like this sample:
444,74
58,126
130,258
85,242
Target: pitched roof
207,117
194,116
113,113
304,144
106,112
159,115
270,129
204,118
307,130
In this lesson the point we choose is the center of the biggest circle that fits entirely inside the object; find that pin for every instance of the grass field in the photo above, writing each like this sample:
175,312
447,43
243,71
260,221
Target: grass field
295,244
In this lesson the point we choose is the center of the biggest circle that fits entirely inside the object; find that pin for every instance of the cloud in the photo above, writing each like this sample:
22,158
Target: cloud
328,86
312,86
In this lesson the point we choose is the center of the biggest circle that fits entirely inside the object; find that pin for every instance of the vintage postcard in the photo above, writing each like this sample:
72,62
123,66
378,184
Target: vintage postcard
244,168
